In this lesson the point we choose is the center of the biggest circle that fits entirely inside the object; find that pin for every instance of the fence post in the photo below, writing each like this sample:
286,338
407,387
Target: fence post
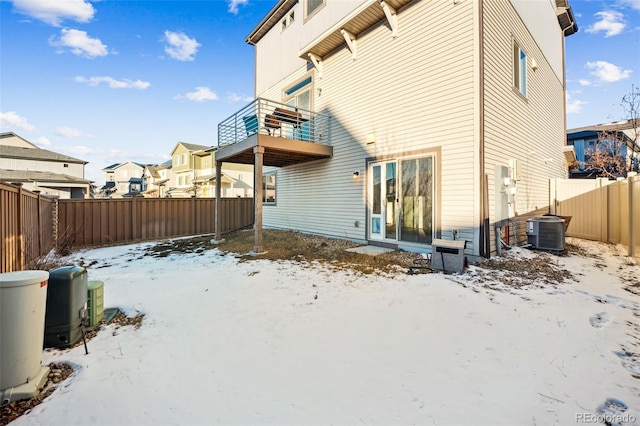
134,228
39,226
20,233
193,215
630,249
55,213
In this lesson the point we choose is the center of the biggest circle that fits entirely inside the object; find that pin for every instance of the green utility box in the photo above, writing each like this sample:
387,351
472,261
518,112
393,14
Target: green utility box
96,302
66,306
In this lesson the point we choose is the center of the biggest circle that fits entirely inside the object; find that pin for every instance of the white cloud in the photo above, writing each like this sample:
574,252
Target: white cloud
584,82
574,106
201,94
53,12
234,97
634,4
42,141
12,121
80,43
75,150
180,46
233,5
611,22
607,72
113,83
68,132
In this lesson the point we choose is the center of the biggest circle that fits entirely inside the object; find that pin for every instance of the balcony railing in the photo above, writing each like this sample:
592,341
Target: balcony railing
265,117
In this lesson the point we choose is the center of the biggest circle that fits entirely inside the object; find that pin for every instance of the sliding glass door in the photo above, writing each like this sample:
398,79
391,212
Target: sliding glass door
401,209
417,200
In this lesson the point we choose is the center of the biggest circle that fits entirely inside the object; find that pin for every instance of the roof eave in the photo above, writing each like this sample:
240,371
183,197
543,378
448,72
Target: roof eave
274,16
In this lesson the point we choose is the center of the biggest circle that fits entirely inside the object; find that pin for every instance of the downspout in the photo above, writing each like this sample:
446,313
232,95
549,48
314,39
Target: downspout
484,231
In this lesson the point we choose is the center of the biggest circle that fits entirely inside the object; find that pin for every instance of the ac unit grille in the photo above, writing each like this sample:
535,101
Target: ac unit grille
551,235
546,233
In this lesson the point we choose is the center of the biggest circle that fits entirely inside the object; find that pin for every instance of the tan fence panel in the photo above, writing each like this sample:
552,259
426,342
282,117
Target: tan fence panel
619,214
634,202
588,214
106,221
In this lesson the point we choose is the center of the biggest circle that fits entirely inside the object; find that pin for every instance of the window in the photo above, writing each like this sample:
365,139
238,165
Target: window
519,69
299,95
65,165
183,160
288,20
269,189
312,6
176,160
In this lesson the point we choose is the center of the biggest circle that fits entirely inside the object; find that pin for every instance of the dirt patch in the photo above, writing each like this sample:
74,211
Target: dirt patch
294,246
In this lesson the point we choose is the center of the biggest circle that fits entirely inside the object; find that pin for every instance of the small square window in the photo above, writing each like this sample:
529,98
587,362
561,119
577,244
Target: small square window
65,165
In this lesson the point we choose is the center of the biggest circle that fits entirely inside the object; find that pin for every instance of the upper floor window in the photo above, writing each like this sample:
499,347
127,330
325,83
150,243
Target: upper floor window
176,160
299,95
287,20
184,159
519,69
65,165
311,6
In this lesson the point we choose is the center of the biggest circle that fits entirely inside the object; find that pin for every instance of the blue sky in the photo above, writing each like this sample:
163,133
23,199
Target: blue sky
111,81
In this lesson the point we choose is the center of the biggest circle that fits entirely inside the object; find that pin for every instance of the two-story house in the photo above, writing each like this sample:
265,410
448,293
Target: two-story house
619,139
123,180
157,180
36,169
193,166
395,122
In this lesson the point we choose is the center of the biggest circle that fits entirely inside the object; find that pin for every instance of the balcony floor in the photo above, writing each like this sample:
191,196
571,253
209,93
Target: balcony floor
278,151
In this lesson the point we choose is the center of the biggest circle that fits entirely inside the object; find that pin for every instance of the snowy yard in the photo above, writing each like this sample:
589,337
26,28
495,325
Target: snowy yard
263,342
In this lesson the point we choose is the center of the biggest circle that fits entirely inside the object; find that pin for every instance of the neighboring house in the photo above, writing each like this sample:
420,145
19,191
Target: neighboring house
193,166
158,180
236,180
396,122
584,141
123,180
36,169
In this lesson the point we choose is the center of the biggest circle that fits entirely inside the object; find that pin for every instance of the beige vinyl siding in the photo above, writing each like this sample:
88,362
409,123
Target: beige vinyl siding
277,52
529,130
73,169
417,93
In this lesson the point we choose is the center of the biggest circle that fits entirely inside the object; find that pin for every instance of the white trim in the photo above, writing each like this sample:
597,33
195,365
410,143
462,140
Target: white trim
351,41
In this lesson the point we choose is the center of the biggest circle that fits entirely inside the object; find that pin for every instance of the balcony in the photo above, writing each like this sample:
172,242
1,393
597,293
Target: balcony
287,135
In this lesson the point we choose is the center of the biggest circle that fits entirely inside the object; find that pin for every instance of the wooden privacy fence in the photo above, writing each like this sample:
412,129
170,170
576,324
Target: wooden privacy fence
108,221
26,227
31,224
609,213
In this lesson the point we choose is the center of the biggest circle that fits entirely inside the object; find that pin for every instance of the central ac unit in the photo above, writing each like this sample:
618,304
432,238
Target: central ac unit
546,233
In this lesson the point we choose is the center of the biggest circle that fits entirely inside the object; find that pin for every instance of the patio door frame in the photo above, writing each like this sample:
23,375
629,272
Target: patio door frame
379,212
394,240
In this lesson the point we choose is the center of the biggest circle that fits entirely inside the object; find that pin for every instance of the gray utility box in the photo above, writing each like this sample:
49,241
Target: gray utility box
66,306
448,256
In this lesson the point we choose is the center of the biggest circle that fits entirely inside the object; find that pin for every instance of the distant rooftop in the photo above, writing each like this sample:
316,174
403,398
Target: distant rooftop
37,154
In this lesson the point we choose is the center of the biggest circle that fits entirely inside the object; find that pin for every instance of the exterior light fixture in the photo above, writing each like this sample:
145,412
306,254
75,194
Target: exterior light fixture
356,174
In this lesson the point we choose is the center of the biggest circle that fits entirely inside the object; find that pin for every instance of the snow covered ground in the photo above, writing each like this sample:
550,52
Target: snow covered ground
260,342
